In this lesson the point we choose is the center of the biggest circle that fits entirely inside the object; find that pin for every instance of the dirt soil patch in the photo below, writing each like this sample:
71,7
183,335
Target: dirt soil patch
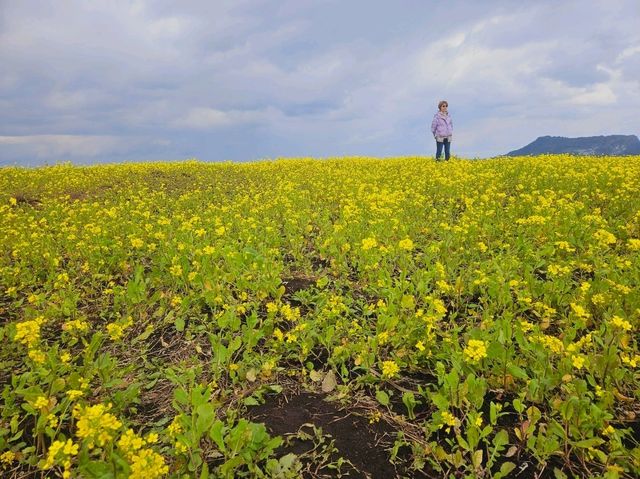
363,444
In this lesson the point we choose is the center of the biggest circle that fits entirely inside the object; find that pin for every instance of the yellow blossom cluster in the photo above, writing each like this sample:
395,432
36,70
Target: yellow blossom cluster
144,462
552,343
369,243
95,424
406,244
28,332
475,351
116,329
61,452
618,322
389,369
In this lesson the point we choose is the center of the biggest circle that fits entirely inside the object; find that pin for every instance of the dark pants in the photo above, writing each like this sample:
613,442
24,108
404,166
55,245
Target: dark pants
447,148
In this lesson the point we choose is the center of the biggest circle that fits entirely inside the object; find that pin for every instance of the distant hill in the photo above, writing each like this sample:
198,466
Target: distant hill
588,145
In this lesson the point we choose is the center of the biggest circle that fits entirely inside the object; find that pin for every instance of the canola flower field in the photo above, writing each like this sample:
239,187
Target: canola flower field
488,310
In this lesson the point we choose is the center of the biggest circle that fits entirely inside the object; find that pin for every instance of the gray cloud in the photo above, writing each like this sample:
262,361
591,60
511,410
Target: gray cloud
240,80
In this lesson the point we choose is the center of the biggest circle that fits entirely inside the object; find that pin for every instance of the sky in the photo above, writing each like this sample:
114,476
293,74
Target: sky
244,80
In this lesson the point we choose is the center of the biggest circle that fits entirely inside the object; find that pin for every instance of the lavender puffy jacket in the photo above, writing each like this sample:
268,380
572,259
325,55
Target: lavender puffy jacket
441,126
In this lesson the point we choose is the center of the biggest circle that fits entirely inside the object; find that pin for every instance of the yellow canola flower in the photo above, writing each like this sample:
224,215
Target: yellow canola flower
60,453
28,332
389,369
95,424
632,361
476,350
405,244
75,325
52,420
604,237
620,323
449,419
580,311
289,313
7,457
74,394
175,427
116,329
37,356
369,243
383,337
552,343
147,464
278,334
526,325
578,361
564,245
130,442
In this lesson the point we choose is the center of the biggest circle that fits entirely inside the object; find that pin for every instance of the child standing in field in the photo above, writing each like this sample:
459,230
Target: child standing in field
442,129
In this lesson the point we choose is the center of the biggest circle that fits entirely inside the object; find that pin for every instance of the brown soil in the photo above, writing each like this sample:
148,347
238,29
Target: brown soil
297,283
363,444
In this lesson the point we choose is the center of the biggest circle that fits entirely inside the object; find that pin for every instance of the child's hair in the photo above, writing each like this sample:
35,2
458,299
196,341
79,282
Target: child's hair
441,103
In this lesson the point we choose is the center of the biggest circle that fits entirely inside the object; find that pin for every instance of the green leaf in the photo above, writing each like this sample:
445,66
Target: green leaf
501,438
57,385
205,416
517,372
179,323
329,382
204,474
275,388
477,459
587,443
287,461
408,301
216,433
493,413
181,396
146,333
518,405
382,397
463,443
251,401
441,402
506,468
558,474
251,375
409,400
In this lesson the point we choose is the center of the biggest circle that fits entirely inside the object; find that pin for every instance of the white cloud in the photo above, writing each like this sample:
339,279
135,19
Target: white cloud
600,94
211,118
313,78
59,146
628,52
